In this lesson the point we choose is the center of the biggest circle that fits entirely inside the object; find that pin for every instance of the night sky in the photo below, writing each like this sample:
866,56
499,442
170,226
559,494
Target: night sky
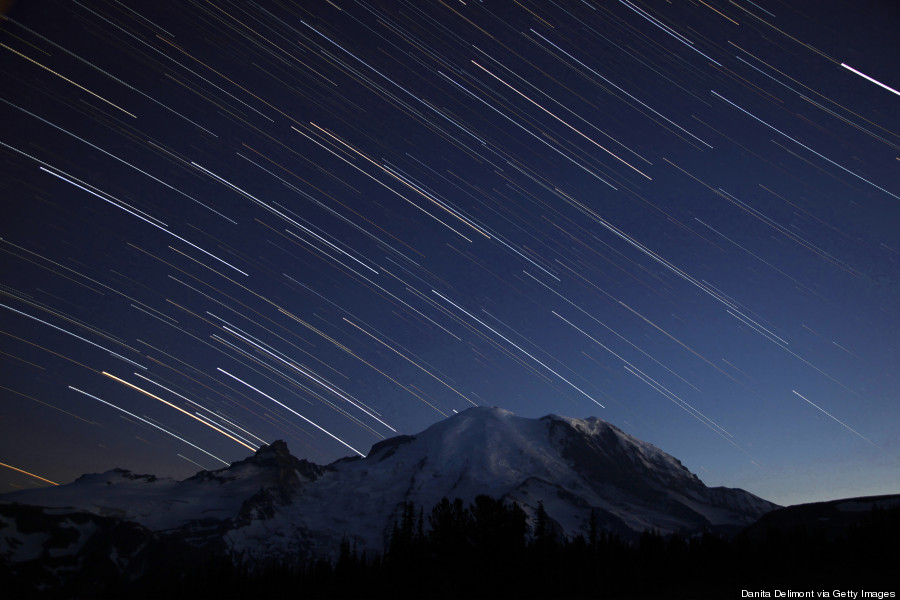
226,223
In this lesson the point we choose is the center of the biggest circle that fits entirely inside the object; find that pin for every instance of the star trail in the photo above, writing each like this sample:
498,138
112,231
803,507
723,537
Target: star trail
226,223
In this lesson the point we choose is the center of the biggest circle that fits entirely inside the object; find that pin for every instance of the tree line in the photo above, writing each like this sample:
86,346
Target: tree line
488,549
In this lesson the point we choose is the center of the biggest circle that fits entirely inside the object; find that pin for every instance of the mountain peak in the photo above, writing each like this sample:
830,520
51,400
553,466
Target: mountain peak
289,471
277,448
575,467
482,412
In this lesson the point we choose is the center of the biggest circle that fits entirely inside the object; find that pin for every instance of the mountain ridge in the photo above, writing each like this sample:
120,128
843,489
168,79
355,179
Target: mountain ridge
273,505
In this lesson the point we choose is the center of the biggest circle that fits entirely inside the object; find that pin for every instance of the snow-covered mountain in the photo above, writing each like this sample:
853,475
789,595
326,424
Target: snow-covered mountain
273,505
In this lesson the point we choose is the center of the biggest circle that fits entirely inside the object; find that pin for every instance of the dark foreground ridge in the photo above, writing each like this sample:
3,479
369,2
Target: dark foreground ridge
488,550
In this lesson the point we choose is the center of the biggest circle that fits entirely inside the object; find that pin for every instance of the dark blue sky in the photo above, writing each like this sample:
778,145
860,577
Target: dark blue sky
332,222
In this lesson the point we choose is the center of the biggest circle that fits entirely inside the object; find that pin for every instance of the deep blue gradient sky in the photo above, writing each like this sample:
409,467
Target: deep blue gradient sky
226,223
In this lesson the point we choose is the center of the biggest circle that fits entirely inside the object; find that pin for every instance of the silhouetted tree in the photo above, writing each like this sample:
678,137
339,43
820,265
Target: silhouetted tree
544,537
450,527
497,527
403,534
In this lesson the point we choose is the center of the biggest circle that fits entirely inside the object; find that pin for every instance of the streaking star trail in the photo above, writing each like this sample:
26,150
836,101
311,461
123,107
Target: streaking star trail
335,221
